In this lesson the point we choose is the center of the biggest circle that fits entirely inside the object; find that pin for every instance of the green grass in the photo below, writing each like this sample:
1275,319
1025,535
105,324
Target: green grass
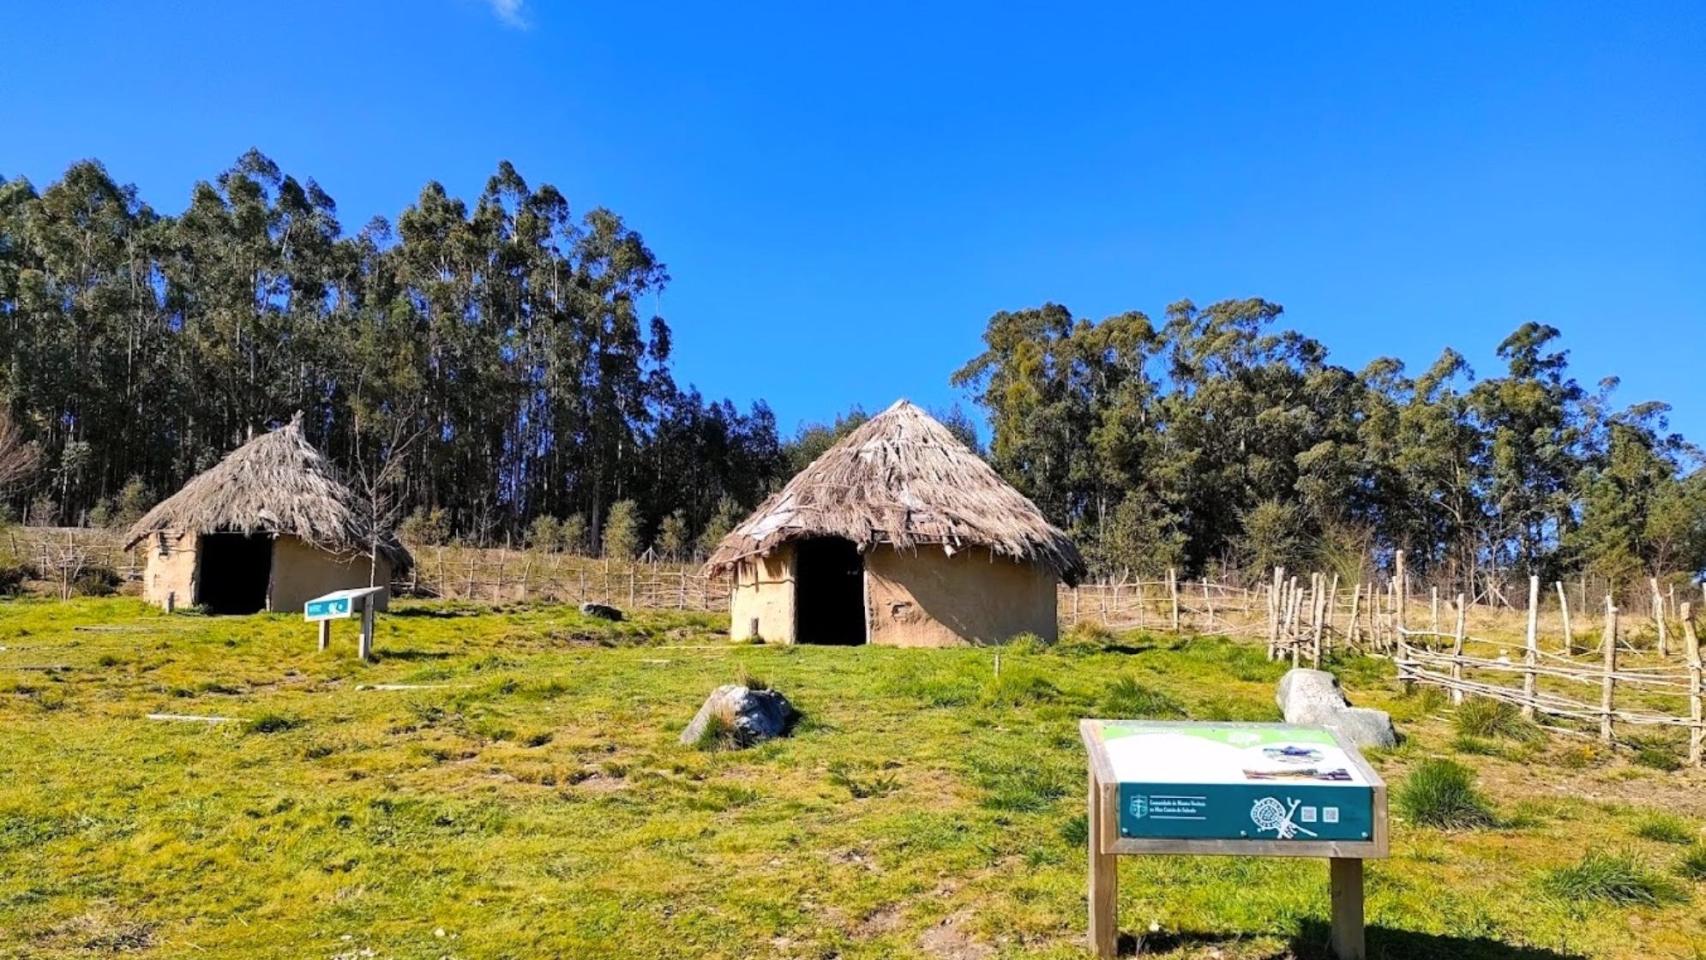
512,778
1486,718
1441,793
1614,878
1693,863
1665,828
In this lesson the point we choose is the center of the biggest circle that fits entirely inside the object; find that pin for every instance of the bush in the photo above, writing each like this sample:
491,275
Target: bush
97,582
12,577
1484,717
1441,793
545,533
1127,698
1665,828
1607,878
426,528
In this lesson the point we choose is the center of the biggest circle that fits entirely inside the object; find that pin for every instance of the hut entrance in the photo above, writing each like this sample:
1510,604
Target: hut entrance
829,591
235,571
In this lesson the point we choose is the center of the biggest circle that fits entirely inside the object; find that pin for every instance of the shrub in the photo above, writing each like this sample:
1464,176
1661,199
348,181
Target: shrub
1126,697
545,533
1441,793
1607,878
1664,828
1484,717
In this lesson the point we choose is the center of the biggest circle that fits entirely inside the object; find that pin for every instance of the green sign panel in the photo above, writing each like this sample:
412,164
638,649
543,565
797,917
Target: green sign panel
326,608
1232,782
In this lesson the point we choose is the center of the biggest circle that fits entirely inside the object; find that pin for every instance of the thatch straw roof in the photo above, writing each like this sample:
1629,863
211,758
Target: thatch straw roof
276,483
903,479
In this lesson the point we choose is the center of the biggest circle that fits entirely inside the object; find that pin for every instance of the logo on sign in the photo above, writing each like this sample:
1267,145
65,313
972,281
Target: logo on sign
1139,807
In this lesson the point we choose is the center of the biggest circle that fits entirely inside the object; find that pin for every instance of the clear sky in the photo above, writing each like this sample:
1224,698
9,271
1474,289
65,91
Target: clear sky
844,193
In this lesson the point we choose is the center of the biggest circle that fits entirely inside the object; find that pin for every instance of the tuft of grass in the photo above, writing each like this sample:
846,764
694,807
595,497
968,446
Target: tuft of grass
1693,863
272,723
719,734
1616,878
1018,686
1485,717
751,681
1656,754
1441,793
879,784
1127,698
1665,828
1025,643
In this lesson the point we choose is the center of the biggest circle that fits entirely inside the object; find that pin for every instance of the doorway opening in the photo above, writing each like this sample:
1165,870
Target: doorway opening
829,592
235,570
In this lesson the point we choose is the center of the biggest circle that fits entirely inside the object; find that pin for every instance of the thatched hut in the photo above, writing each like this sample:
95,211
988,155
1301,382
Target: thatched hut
269,528
897,535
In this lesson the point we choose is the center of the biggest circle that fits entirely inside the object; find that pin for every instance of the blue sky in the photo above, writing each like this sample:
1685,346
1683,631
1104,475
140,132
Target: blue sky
845,193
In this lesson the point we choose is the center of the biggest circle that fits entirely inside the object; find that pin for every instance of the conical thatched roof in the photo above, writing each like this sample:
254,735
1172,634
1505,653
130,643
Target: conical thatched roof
276,483
903,479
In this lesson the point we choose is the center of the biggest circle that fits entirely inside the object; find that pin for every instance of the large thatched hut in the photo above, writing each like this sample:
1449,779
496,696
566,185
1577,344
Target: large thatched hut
897,535
268,528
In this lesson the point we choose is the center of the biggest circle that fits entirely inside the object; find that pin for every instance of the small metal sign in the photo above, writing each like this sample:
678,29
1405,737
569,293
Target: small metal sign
339,604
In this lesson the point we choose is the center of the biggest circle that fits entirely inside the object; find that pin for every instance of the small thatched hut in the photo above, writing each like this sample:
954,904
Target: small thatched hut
897,535
268,528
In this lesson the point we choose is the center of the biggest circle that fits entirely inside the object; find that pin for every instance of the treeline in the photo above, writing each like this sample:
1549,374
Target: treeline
490,363
1215,437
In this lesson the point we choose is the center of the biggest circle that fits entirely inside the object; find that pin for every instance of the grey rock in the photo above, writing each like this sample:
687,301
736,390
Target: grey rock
1363,726
753,716
1309,696
601,610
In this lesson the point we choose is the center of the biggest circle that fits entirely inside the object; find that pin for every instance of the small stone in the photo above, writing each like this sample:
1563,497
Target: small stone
439,933
1309,696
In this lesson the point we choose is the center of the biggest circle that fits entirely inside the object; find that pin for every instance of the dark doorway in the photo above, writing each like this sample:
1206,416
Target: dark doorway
829,592
234,572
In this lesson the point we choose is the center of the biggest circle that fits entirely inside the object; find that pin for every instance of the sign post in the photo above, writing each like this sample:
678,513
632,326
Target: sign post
1242,789
340,605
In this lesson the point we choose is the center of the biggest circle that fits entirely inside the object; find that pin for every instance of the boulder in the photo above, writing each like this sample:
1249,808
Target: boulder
1309,696
1314,698
1363,727
601,610
749,716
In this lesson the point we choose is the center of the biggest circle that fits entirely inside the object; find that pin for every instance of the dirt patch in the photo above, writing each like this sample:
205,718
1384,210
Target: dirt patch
875,924
951,940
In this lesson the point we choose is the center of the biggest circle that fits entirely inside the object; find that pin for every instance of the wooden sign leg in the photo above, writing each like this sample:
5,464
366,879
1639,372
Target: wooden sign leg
1345,882
1104,883
366,631
325,634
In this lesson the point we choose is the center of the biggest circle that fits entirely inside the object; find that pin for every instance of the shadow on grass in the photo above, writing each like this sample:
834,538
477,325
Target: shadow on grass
436,613
1383,943
409,655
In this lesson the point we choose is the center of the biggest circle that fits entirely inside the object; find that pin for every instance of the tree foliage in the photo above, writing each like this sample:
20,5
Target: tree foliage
1219,437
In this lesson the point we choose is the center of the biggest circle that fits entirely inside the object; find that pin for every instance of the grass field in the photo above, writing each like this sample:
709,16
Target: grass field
526,797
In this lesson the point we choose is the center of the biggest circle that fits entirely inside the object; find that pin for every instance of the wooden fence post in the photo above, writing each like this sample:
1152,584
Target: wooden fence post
1402,586
1691,648
1564,607
1608,647
1320,617
1457,650
1274,612
1354,631
1531,658
1173,594
1659,617
1433,609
